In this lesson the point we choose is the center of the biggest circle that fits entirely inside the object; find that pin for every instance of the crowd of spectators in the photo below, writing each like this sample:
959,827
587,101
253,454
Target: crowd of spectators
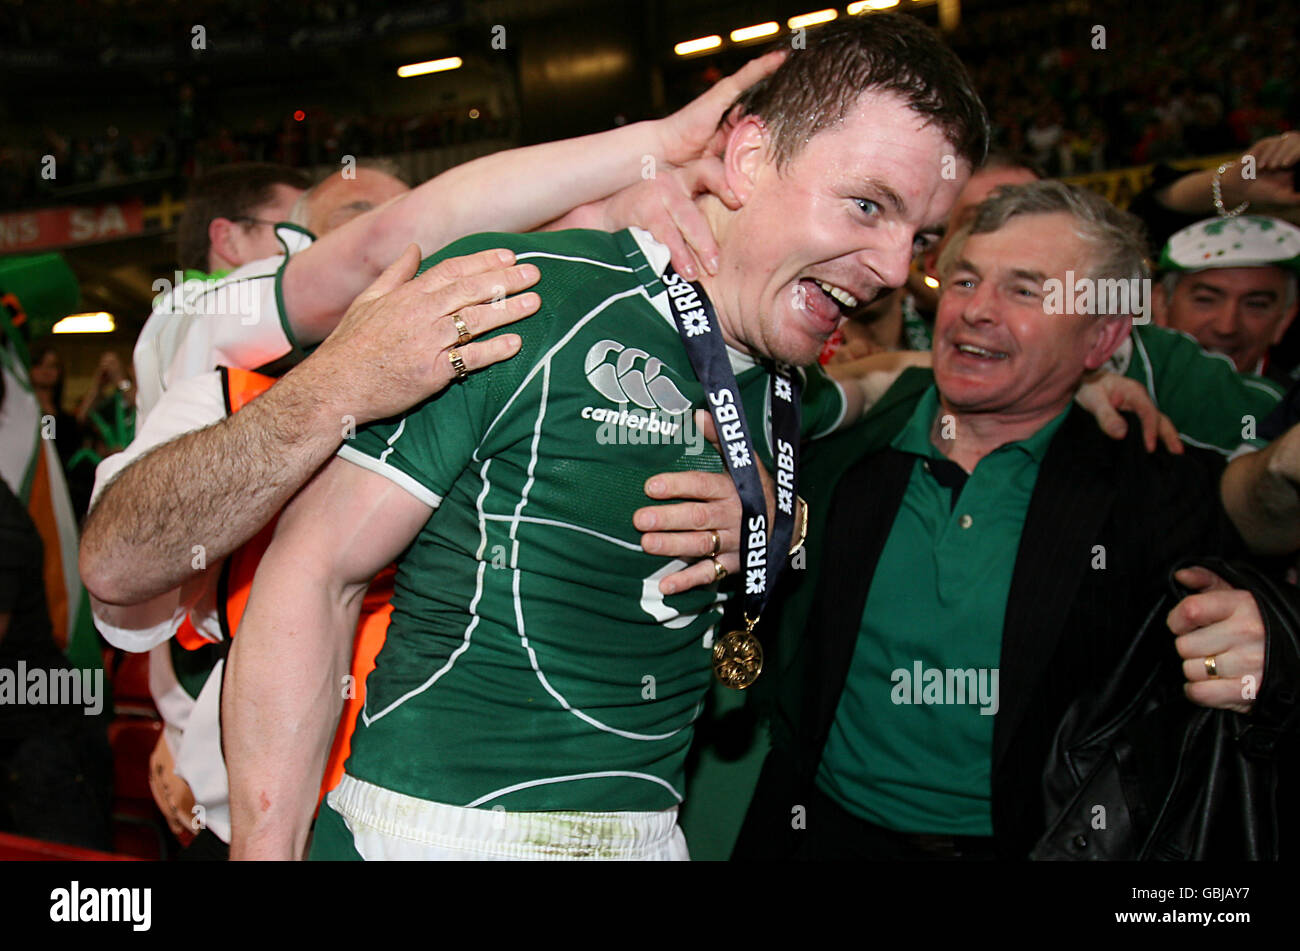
1079,89
1108,85
319,137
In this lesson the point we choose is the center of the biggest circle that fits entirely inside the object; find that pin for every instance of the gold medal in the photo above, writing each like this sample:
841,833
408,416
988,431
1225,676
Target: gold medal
738,658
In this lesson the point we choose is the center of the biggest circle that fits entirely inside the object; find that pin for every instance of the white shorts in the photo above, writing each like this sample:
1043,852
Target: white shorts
387,825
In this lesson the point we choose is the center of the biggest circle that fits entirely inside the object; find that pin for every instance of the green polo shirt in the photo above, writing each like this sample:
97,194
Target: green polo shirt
911,745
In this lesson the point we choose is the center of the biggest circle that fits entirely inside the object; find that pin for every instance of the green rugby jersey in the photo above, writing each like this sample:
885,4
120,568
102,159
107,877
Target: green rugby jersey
531,662
1213,406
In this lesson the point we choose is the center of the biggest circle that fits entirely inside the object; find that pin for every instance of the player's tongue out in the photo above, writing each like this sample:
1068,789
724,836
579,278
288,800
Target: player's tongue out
823,310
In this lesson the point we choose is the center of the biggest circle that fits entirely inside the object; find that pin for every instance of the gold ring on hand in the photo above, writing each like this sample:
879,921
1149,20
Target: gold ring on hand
457,363
463,336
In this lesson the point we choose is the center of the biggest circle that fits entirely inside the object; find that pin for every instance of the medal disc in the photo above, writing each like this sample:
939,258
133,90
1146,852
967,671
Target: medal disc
738,659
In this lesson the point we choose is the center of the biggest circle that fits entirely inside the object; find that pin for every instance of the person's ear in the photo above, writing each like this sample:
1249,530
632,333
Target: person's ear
930,261
221,242
1110,332
1285,323
1159,304
745,156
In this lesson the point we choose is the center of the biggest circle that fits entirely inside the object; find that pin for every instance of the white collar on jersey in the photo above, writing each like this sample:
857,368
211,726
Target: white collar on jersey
658,255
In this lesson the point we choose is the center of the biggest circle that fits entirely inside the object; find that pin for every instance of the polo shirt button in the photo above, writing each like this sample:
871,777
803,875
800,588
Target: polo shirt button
965,521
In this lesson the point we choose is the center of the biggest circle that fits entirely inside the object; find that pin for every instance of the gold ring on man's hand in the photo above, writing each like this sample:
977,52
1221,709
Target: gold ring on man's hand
463,336
457,363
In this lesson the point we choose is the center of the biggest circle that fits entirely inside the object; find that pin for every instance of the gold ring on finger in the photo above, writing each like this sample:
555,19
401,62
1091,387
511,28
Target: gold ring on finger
457,363
719,571
463,336
717,544
1211,667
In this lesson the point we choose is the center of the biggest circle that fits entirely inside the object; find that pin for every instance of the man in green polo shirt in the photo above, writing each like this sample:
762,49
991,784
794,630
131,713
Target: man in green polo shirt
988,558
1212,405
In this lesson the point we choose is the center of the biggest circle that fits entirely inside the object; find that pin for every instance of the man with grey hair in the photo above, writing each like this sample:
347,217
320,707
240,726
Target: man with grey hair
1010,552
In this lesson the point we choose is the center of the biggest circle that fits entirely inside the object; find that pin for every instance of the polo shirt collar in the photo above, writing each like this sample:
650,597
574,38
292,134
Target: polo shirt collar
914,437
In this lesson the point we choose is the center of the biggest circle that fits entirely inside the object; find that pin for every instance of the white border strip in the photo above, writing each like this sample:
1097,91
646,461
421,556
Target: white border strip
396,476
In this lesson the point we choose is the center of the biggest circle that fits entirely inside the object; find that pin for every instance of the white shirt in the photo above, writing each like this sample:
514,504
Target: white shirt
233,321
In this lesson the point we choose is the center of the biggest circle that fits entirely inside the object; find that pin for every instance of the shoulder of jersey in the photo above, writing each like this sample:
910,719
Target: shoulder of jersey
575,248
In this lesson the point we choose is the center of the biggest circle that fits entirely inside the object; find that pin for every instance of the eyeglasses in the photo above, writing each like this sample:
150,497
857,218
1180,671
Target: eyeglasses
256,221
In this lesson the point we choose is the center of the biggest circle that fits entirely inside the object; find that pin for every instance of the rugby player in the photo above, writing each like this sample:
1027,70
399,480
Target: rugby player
535,694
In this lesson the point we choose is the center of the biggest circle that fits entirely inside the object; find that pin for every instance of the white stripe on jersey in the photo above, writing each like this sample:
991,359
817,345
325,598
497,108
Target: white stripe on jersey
1205,445
1146,362
565,257
519,606
379,467
630,546
555,348
528,484
469,629
401,428
1262,387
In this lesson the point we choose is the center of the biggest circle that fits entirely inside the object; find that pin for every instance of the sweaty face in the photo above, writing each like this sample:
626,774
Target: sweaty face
338,200
995,349
1239,311
840,222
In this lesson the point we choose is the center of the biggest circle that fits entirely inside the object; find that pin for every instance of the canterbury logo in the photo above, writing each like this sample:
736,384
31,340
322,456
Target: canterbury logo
633,378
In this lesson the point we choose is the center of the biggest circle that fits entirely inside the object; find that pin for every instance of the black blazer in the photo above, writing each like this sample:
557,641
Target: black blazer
1105,521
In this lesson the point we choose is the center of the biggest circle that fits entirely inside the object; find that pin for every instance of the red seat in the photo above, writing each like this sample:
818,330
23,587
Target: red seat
132,740
139,829
17,848
130,679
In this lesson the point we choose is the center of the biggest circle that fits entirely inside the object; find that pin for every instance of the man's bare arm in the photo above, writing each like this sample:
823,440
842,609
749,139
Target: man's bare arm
218,486
283,691
517,190
1261,492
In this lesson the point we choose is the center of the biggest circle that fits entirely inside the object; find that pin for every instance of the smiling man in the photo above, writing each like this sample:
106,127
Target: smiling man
549,679
1231,284
989,557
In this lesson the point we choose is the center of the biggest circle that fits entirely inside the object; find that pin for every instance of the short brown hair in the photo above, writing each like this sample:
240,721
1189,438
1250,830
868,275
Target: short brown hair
226,192
890,52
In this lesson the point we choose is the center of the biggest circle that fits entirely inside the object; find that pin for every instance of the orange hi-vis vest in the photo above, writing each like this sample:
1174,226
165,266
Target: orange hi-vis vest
236,581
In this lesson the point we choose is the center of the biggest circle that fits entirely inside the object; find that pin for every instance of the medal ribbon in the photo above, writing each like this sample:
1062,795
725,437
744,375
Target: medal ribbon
763,548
